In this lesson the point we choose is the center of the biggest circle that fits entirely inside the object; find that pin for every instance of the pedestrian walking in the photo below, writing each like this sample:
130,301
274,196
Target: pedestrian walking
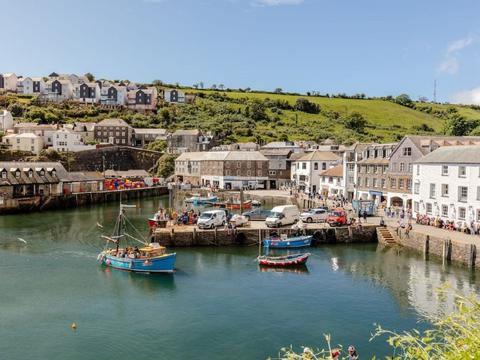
365,215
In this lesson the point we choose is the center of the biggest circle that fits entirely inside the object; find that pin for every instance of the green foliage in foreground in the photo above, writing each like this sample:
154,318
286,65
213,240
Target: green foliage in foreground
453,336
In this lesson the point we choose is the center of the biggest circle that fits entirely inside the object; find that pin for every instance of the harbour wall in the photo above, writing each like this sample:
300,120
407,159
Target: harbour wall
66,201
446,249
248,237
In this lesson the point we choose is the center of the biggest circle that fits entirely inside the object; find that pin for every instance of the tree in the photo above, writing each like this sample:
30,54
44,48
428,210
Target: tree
257,111
423,99
214,87
16,110
306,106
404,100
157,82
90,76
221,87
457,125
278,90
157,145
283,137
355,121
165,166
201,84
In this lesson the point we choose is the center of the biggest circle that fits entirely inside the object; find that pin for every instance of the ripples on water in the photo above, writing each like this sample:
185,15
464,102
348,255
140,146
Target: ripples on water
217,303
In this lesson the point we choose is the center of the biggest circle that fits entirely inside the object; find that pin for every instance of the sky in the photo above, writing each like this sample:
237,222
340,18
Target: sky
376,47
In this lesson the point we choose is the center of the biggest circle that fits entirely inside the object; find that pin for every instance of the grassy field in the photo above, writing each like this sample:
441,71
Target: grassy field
229,114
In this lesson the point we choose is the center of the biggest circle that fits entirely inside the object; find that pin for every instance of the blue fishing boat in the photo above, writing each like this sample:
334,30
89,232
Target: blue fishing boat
293,242
149,258
199,200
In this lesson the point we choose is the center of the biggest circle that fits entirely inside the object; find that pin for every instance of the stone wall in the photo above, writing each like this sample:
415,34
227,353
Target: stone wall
115,158
38,203
244,236
444,248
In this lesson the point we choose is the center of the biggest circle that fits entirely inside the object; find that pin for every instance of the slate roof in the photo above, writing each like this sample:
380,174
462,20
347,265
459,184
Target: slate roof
320,155
113,122
48,178
464,154
336,171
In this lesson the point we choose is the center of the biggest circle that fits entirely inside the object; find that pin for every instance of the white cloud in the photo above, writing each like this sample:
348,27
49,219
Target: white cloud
468,96
450,63
278,2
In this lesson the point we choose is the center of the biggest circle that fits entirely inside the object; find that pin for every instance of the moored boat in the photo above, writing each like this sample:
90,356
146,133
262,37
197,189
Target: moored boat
283,261
200,200
150,258
288,243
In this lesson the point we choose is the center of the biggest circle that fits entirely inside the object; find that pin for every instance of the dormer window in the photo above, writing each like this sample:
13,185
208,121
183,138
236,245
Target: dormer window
4,174
18,173
30,173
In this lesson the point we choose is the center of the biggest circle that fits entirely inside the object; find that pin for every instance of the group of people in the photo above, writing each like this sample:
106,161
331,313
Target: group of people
472,228
352,353
186,217
130,252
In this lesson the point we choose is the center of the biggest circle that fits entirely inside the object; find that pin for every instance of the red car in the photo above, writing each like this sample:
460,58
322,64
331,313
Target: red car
337,217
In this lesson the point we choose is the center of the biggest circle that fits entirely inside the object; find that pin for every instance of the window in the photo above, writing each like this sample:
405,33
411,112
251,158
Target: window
383,183
304,165
478,192
409,184
429,208
410,167
432,191
462,171
394,166
393,183
400,183
315,166
4,174
367,182
418,169
445,210
415,206
462,193
272,173
324,166
445,190
407,151
402,167
374,184
445,170
461,213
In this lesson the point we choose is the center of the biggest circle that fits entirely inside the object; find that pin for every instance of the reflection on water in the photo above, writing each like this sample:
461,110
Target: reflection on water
218,302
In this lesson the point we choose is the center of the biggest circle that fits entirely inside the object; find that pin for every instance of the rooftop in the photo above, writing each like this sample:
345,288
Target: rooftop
319,155
113,122
464,154
336,171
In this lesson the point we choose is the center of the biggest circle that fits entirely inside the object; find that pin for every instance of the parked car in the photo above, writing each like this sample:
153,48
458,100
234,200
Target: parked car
337,217
239,220
314,215
257,214
211,219
283,215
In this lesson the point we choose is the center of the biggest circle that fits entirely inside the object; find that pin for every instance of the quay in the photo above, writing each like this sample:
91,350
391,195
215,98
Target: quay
190,235
73,200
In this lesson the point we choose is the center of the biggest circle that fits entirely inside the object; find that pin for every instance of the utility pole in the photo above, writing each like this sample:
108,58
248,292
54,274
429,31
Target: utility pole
435,90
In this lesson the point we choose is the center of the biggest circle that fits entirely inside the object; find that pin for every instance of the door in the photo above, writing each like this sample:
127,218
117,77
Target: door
273,184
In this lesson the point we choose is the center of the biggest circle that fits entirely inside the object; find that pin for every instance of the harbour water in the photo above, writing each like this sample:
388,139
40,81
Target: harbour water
217,305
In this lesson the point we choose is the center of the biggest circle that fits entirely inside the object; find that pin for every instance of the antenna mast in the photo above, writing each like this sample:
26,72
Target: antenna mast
435,90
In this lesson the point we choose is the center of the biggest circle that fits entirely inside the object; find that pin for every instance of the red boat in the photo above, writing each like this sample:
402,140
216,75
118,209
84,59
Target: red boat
284,261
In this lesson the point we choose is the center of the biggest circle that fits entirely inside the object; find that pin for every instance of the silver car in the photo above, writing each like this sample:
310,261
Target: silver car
314,215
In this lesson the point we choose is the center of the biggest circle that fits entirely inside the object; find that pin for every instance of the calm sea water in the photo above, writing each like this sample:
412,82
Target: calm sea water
217,305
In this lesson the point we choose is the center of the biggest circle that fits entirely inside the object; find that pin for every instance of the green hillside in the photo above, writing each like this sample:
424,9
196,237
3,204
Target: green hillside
257,116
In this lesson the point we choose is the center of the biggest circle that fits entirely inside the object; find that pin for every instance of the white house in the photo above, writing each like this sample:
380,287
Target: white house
66,140
58,90
24,142
113,95
446,184
174,96
332,181
8,82
87,92
6,120
30,86
45,131
308,168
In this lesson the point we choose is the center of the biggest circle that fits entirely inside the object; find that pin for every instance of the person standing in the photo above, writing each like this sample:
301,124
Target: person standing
352,353
365,215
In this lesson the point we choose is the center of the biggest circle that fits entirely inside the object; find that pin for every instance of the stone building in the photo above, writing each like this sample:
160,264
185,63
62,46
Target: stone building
189,140
372,172
114,131
332,181
279,167
351,157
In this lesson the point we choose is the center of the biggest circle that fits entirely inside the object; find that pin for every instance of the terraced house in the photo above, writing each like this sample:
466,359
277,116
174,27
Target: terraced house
142,99
372,172
408,151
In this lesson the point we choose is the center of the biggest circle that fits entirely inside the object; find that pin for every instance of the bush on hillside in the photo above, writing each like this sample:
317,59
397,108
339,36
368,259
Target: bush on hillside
457,125
356,122
307,106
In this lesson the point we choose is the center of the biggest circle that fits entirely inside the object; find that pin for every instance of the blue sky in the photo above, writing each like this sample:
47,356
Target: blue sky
378,47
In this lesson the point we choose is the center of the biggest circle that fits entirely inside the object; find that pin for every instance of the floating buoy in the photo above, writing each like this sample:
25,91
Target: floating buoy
74,326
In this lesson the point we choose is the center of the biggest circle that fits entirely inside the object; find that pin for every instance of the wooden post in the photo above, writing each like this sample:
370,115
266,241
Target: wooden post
194,236
215,234
241,200
472,257
426,247
259,242
172,237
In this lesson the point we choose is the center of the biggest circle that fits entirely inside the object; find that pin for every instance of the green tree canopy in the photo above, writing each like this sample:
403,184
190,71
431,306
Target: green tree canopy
356,122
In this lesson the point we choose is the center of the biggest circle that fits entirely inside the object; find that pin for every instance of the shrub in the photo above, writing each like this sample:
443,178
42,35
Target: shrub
307,106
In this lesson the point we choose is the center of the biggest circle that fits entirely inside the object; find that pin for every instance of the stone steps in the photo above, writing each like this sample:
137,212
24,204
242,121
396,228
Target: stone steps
385,236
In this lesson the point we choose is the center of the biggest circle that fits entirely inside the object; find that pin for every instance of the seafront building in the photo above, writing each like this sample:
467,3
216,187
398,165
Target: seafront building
332,182
27,142
308,168
409,150
223,169
446,184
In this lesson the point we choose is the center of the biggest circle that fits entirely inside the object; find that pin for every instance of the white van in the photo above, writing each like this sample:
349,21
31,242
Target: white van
283,215
212,218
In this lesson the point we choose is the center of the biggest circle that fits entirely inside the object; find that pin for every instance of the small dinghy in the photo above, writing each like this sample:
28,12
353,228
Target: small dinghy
283,261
